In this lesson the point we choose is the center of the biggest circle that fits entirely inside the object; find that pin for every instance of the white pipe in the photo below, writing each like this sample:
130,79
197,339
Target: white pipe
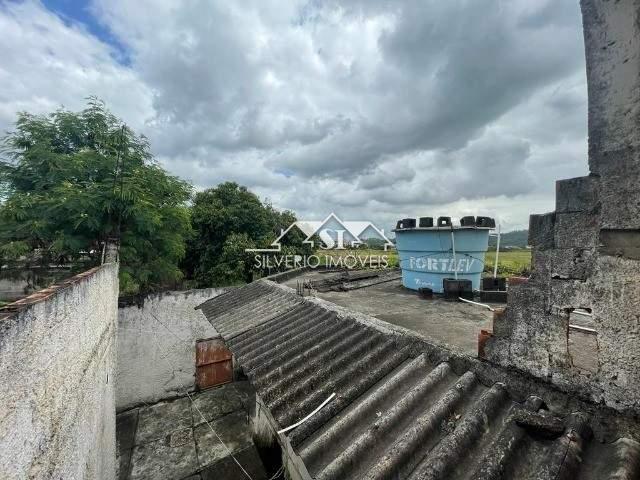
495,267
453,246
476,303
578,312
583,329
290,427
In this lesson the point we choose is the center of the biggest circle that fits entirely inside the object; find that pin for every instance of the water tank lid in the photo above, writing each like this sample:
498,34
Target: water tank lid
425,222
485,222
468,221
444,221
428,223
408,223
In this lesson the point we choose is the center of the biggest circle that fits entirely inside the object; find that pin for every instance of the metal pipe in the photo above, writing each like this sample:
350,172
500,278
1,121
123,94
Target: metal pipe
495,267
453,247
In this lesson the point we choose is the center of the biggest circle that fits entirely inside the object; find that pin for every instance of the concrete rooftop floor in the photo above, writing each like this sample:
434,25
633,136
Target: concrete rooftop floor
170,440
454,325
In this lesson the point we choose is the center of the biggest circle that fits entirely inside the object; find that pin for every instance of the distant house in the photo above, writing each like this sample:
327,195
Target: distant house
332,232
335,233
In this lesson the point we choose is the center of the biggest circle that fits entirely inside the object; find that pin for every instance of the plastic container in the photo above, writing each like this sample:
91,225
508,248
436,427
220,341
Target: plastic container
426,255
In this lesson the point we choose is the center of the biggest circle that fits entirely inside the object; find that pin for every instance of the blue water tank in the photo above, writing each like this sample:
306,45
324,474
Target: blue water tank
426,255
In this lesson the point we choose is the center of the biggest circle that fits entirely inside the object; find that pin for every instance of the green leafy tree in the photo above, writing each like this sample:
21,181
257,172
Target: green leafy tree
216,214
70,181
226,220
235,263
292,241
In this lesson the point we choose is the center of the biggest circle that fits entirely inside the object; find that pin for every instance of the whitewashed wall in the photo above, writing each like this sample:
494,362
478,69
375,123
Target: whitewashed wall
57,363
156,346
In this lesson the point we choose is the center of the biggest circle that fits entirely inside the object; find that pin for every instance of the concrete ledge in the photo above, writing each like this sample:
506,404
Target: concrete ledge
541,230
286,275
576,194
565,263
41,295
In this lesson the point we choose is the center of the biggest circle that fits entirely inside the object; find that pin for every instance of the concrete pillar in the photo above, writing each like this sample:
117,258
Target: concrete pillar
586,254
612,46
111,251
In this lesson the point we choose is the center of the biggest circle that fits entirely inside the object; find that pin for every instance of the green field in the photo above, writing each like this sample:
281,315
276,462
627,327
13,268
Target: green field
511,262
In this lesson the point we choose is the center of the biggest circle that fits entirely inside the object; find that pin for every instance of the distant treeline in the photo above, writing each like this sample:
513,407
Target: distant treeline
517,238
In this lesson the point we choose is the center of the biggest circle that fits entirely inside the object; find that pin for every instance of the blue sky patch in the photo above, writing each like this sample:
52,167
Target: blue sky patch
76,11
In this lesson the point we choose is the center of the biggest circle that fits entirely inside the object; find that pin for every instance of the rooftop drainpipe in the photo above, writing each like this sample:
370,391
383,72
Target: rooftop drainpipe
453,247
495,266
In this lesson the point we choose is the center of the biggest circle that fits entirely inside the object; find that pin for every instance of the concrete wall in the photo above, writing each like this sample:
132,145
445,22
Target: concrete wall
156,346
587,252
264,431
57,396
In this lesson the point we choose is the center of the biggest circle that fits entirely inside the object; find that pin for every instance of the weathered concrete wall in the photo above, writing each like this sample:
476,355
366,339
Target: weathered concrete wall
57,396
587,253
264,430
156,346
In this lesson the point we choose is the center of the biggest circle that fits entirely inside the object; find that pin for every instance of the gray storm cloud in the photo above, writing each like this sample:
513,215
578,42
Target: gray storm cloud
376,109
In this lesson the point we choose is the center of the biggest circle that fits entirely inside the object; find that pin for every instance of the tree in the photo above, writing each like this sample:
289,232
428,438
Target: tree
235,264
69,181
227,220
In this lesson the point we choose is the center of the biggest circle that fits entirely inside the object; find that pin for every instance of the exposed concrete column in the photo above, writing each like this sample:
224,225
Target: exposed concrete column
586,254
612,46
111,251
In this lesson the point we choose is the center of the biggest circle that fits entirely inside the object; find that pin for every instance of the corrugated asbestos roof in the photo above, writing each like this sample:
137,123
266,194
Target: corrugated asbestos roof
240,309
395,415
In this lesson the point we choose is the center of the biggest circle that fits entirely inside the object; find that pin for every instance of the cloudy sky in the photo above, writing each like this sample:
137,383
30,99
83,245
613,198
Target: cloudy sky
373,109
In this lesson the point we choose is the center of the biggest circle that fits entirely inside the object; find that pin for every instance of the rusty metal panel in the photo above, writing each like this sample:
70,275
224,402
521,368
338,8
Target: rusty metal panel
211,351
214,365
214,374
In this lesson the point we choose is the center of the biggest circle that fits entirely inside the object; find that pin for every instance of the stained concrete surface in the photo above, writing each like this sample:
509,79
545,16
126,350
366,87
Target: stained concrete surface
585,252
453,325
156,345
57,370
582,345
170,440
450,324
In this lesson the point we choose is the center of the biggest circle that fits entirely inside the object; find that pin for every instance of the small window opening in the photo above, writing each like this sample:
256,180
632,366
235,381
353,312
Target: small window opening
582,340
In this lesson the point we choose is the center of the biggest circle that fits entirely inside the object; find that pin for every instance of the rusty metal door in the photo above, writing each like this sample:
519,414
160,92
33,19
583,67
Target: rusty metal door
213,363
